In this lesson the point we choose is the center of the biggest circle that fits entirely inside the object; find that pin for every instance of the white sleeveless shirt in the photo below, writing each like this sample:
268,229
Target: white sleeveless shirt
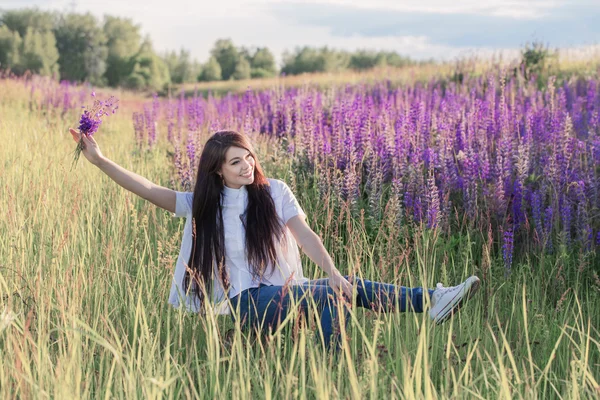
234,203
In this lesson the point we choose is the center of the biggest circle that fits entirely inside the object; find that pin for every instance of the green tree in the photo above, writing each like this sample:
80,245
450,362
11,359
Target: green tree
38,53
226,55
263,58
27,41
242,69
149,70
263,63
10,45
247,53
365,59
302,60
395,60
20,20
307,59
535,60
123,41
82,47
181,67
171,59
195,71
335,61
211,71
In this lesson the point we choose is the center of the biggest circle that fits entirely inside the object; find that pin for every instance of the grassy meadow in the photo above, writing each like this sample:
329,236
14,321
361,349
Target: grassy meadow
86,268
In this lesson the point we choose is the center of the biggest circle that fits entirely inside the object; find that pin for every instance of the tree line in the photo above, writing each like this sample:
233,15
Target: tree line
78,47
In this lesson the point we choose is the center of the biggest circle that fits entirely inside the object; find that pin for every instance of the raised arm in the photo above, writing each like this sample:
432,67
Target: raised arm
158,195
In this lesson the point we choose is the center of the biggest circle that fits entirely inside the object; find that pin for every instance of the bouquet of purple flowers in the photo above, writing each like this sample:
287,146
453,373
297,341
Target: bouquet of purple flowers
91,118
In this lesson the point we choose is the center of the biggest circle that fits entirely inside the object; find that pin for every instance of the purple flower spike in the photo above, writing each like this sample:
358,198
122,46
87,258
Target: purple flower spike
88,126
90,121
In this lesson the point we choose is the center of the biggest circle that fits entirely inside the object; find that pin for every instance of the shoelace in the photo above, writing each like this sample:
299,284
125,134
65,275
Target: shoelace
440,287
435,297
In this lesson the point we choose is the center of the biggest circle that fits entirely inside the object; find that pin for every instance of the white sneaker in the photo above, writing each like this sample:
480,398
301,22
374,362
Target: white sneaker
446,301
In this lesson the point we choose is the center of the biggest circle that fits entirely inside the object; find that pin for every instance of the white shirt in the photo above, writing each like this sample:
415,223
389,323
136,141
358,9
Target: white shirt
234,204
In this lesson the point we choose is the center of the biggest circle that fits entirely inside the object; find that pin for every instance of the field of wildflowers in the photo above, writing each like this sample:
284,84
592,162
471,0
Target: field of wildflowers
498,152
410,184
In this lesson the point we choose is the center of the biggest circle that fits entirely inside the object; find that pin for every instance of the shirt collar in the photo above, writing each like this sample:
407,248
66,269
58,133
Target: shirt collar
235,193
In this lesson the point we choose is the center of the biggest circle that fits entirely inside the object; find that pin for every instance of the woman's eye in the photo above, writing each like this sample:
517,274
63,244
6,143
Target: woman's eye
248,155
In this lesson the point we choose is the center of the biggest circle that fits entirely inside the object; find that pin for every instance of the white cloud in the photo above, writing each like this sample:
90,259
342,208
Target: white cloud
510,8
196,25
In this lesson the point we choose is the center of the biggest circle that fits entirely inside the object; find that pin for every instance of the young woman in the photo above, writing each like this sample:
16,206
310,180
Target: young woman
240,244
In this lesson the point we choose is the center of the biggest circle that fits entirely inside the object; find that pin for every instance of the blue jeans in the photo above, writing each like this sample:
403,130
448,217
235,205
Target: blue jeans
266,306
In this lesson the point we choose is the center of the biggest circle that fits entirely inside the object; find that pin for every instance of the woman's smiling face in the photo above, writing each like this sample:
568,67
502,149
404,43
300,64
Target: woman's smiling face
238,169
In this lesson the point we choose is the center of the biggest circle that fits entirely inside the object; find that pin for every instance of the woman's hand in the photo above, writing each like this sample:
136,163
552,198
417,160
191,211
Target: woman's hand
312,245
91,150
338,283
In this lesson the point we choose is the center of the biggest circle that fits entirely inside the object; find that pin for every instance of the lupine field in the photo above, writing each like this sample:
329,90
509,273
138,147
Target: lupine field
413,184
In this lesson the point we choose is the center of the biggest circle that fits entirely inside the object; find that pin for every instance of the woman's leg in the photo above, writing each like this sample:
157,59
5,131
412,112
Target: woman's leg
445,301
265,307
377,295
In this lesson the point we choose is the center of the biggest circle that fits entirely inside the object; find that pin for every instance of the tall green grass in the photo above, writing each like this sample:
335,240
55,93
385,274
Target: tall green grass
86,268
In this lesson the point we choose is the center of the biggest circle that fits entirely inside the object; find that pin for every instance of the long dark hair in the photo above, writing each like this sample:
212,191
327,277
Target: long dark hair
263,228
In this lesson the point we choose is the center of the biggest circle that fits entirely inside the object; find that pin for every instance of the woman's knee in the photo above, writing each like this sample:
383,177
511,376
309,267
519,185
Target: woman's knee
360,282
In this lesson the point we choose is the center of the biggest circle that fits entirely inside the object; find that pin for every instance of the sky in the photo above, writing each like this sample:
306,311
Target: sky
422,29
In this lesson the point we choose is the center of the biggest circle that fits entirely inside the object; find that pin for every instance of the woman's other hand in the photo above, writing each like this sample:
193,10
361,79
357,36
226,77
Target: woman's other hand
338,283
91,150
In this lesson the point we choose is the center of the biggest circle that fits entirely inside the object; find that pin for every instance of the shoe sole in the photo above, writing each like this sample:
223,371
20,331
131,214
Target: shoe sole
471,291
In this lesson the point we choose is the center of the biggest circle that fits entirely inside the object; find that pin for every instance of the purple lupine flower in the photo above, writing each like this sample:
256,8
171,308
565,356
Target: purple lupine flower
91,119
182,172
470,178
494,145
351,189
418,208
566,215
584,230
291,148
67,97
433,203
138,129
180,114
507,250
517,203
191,153
375,194
536,210
155,105
170,121
88,123
150,120
215,125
